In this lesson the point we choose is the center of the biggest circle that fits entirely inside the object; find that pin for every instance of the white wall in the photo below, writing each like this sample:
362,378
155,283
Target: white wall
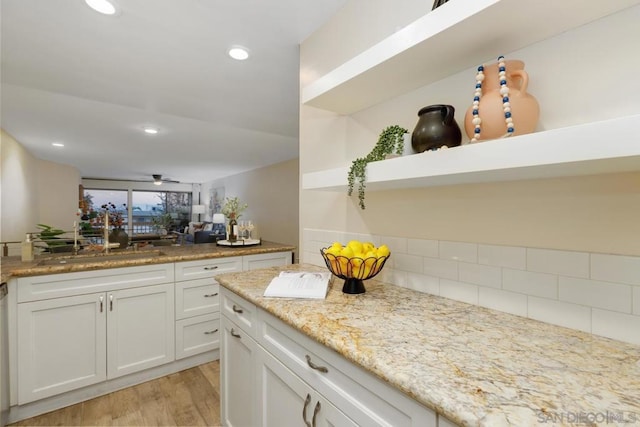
272,195
34,191
584,75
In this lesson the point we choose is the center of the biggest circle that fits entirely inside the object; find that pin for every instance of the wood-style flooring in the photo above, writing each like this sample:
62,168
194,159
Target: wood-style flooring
187,398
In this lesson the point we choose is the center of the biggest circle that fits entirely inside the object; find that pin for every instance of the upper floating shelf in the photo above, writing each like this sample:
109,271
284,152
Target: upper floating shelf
456,36
588,149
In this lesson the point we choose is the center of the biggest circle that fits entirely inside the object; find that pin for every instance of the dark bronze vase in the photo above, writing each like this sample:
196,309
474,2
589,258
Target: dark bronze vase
436,127
118,235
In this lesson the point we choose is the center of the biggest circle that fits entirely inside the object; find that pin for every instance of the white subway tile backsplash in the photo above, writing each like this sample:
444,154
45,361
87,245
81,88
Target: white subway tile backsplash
411,263
423,247
566,263
503,256
560,313
477,274
423,283
441,268
497,299
615,268
595,293
458,291
395,244
619,326
606,295
542,285
459,251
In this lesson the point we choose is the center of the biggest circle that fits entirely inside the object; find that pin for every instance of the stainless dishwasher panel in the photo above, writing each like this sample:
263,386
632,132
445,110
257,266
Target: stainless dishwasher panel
4,356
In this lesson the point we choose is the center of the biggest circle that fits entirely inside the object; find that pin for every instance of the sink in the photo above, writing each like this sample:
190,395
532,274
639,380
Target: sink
99,258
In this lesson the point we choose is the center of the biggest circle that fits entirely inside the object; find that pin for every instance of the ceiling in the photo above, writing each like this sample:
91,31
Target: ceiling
93,82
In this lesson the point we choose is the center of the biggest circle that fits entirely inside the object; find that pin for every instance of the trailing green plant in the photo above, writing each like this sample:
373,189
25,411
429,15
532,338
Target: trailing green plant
390,141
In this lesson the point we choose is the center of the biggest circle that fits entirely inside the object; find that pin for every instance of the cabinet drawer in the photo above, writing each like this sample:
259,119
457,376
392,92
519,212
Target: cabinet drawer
359,394
257,261
204,268
197,297
197,335
239,311
83,282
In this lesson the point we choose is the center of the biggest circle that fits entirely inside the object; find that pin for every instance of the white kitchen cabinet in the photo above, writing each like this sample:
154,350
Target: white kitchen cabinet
197,324
61,345
198,334
71,342
273,259
238,398
140,329
206,268
283,366
287,401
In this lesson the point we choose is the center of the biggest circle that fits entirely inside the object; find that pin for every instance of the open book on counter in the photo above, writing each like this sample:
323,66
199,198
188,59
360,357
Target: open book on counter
299,284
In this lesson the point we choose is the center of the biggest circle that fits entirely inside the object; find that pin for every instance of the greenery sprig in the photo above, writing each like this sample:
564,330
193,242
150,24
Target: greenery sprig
390,141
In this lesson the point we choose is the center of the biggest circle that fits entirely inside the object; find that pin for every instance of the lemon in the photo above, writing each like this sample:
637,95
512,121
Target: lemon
355,245
333,250
367,246
383,250
347,252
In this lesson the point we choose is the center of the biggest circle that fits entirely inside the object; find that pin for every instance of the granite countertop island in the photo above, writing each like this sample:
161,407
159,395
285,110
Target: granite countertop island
475,366
12,266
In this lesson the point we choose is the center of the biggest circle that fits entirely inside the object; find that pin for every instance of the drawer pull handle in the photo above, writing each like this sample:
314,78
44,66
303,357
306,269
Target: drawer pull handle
315,412
233,334
101,303
210,295
111,302
304,410
211,268
314,366
211,332
236,309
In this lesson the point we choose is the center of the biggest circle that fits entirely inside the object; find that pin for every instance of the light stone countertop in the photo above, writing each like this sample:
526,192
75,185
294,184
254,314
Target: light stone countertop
475,366
12,266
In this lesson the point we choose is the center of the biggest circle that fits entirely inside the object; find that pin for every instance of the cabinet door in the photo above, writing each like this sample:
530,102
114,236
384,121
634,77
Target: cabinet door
285,400
61,345
237,377
140,329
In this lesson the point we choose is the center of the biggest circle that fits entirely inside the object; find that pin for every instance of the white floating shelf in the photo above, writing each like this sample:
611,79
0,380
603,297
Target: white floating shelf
594,148
458,35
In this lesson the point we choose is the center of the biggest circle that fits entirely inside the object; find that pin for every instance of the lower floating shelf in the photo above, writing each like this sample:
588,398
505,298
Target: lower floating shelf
594,148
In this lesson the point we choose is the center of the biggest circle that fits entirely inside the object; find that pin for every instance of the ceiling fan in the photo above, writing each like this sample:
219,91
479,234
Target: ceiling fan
158,180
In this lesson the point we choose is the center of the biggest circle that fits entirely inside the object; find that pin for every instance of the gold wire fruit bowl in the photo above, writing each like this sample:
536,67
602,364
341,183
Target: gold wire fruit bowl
354,270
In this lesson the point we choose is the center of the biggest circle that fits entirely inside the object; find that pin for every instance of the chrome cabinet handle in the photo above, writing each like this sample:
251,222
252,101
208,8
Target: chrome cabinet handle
315,412
210,295
233,334
101,303
111,302
314,366
210,332
211,268
236,309
304,410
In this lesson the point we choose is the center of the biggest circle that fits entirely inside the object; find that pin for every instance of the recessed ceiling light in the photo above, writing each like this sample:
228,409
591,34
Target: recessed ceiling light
103,6
57,144
239,53
151,131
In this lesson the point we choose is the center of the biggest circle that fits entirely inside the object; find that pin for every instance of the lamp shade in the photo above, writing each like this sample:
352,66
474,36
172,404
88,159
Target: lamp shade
218,218
198,209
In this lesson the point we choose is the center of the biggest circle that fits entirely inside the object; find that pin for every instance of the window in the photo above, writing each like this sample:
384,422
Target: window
143,211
